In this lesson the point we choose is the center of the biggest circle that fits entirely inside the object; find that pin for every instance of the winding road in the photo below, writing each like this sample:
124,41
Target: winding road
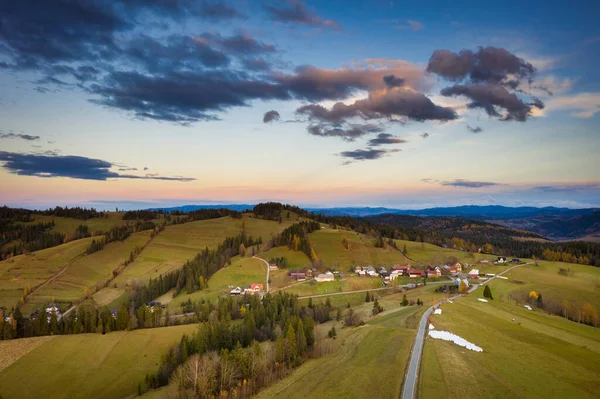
268,270
410,382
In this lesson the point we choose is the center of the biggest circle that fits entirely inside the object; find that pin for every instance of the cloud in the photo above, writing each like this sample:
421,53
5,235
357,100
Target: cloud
496,100
387,104
271,116
350,133
424,135
475,129
405,24
415,25
183,97
392,81
237,44
51,165
217,10
385,138
582,105
365,155
296,12
18,136
467,183
569,187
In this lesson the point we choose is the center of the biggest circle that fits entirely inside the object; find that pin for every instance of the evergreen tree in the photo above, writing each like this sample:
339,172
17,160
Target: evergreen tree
368,297
404,301
487,292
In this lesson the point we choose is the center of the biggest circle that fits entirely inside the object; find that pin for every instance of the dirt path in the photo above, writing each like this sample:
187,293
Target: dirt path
268,270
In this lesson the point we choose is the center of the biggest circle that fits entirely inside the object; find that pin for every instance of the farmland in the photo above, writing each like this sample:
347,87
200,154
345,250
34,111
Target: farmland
67,225
113,369
519,346
35,268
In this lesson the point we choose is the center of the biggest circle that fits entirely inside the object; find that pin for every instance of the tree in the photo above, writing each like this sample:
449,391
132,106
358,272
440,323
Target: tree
242,249
404,301
368,298
332,333
301,339
463,288
404,250
291,345
487,292
540,302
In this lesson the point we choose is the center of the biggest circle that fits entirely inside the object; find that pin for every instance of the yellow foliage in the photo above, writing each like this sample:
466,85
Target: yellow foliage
534,295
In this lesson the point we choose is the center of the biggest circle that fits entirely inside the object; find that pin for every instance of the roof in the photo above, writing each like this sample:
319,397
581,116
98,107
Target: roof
474,271
419,272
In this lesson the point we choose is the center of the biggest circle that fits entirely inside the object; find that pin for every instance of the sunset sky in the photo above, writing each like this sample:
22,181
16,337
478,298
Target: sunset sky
138,103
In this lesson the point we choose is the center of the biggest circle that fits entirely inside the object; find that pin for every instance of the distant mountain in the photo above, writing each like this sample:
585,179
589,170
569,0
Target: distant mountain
190,208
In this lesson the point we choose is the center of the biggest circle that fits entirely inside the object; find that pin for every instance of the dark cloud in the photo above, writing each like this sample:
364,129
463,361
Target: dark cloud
569,188
349,133
297,12
18,136
76,167
389,104
467,183
174,53
255,64
183,97
475,129
238,44
488,64
424,135
495,99
385,138
127,169
218,10
392,81
365,155
271,116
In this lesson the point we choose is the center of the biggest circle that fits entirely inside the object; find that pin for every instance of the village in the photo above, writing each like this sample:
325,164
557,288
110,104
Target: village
455,272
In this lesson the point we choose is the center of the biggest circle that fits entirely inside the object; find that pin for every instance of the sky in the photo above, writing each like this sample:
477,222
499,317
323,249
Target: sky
145,103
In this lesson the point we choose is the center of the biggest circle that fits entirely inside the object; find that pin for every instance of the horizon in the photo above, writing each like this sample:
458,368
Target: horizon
308,102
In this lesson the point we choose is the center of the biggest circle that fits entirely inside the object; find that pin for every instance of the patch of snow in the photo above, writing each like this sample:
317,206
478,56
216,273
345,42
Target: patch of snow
431,327
502,277
448,336
482,300
527,307
437,311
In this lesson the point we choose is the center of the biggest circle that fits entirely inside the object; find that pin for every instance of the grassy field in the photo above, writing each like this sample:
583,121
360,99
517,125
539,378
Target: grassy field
367,361
13,350
424,253
85,272
241,272
361,251
35,268
295,259
89,365
69,225
266,228
350,283
583,286
535,347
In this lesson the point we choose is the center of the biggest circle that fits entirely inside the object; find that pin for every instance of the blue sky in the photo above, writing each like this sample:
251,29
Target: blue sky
377,103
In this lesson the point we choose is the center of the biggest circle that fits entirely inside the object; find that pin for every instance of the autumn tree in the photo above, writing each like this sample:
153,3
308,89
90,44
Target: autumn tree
463,288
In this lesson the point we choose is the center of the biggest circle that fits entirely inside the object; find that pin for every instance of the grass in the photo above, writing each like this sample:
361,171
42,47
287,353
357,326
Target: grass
517,354
13,350
266,228
69,225
84,273
89,365
241,272
361,250
367,361
582,287
295,259
350,283
35,268
424,253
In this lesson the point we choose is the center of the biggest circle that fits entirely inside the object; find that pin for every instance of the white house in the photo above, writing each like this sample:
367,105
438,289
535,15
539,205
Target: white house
328,276
474,273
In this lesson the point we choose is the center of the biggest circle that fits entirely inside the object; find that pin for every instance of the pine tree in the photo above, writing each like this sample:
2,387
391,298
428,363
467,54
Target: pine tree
301,339
404,301
368,298
487,292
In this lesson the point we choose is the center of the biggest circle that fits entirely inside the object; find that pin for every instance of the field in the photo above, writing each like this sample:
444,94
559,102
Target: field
241,272
520,347
350,283
11,351
424,253
367,361
361,250
85,272
69,225
89,365
35,268
583,286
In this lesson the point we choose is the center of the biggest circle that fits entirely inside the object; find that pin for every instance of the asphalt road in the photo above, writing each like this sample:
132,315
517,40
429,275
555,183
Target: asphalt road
410,382
268,270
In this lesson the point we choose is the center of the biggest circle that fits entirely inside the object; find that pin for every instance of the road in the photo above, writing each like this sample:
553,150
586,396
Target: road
410,382
268,270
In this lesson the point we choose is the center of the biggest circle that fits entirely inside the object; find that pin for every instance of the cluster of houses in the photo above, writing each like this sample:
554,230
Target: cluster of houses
251,289
49,310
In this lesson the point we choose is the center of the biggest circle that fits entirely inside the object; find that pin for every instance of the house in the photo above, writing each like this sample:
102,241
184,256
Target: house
516,260
273,266
256,287
474,273
372,273
414,273
501,259
403,270
309,273
370,269
297,274
362,273
484,261
458,267
434,272
328,276
394,274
